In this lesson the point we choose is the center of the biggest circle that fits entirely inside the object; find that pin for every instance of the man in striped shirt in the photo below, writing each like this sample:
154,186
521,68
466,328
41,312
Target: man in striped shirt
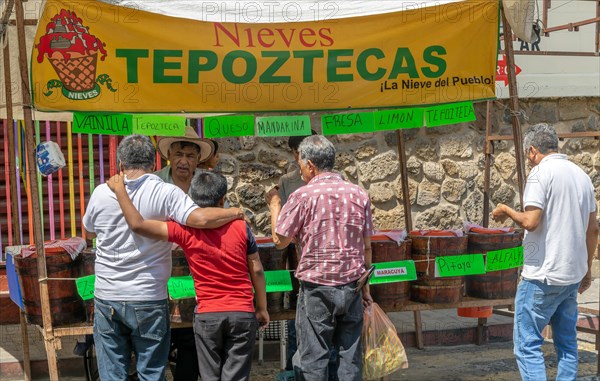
330,219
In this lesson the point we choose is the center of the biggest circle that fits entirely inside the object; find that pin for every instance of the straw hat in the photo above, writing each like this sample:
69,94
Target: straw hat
206,146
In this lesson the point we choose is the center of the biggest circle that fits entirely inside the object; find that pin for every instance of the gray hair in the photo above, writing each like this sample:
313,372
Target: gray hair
319,151
541,136
136,152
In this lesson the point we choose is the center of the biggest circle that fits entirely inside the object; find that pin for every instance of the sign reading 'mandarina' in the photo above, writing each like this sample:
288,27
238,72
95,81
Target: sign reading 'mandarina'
93,56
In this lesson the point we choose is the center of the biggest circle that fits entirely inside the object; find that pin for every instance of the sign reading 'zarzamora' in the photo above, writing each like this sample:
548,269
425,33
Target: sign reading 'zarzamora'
94,61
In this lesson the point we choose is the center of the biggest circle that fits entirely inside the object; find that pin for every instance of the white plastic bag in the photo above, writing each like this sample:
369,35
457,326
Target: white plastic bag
49,158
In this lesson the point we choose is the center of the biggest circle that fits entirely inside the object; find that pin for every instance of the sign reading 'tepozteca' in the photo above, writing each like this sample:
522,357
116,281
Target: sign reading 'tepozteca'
449,114
158,125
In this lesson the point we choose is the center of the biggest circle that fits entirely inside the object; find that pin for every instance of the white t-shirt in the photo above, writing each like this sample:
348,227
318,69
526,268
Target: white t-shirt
556,251
130,267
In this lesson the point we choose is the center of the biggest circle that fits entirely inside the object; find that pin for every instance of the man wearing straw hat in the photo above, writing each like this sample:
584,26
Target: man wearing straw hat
131,307
184,153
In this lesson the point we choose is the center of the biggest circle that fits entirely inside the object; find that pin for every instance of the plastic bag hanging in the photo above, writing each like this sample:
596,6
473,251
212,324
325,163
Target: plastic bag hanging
383,351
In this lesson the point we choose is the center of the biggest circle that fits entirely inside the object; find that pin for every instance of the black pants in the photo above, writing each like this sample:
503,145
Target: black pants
225,341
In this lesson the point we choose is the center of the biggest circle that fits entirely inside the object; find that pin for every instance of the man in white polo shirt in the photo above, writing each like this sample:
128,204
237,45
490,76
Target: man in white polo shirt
560,240
131,309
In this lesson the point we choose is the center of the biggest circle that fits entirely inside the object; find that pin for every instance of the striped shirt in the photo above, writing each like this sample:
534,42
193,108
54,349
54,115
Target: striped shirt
329,218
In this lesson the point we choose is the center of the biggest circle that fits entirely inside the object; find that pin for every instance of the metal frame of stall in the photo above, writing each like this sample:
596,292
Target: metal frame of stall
52,336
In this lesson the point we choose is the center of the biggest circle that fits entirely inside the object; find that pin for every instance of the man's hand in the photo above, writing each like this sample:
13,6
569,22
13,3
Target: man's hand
586,282
273,195
116,182
499,213
263,318
367,299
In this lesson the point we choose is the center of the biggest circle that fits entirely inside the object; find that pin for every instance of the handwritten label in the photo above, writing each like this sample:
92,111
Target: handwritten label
102,123
85,286
283,125
356,123
229,125
398,119
449,114
181,287
504,259
397,271
459,265
158,125
278,281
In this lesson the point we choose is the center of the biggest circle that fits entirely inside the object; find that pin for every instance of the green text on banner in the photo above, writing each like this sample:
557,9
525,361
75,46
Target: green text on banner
102,123
278,281
398,119
158,125
397,271
294,125
181,287
504,259
85,286
229,125
459,265
449,114
355,123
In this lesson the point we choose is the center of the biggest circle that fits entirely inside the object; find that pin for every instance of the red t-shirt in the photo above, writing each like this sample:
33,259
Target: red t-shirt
218,262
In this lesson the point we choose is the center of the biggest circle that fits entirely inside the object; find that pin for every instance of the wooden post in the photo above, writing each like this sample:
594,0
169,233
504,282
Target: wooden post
48,333
404,179
488,150
514,105
13,191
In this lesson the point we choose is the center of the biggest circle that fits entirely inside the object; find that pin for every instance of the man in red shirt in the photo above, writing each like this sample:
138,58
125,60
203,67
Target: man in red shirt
220,259
330,219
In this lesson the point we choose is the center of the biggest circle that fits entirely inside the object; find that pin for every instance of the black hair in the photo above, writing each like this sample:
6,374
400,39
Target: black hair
208,188
294,141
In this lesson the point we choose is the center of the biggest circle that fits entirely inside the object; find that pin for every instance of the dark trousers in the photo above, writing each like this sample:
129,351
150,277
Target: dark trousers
328,317
186,366
225,341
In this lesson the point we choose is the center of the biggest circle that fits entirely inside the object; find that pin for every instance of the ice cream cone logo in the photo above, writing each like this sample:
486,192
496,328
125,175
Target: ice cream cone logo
73,53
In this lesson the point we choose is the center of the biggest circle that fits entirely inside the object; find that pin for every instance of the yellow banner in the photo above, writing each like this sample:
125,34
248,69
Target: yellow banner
92,56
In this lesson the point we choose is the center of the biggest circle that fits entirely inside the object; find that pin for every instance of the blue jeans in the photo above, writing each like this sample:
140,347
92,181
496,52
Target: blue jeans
536,305
328,317
123,327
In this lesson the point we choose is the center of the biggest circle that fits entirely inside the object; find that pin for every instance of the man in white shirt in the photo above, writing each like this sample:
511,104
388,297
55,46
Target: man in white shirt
560,240
131,308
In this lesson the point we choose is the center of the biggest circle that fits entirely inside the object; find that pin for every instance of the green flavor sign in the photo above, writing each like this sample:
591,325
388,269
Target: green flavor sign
181,287
504,259
158,125
85,286
398,119
355,123
295,125
102,123
278,281
397,271
449,114
229,125
459,265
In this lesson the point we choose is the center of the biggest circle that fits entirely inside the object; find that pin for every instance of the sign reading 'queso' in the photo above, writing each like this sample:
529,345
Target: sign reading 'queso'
113,60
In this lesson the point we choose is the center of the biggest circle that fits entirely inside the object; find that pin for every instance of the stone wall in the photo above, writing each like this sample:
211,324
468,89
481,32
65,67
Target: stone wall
445,164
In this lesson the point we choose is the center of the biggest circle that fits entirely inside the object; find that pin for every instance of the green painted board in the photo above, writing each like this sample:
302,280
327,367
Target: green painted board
228,125
294,125
459,265
449,114
397,271
278,281
158,125
102,123
399,119
85,286
181,287
504,259
354,123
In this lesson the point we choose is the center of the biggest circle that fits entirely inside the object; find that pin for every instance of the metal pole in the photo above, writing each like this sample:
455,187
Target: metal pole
488,149
50,340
